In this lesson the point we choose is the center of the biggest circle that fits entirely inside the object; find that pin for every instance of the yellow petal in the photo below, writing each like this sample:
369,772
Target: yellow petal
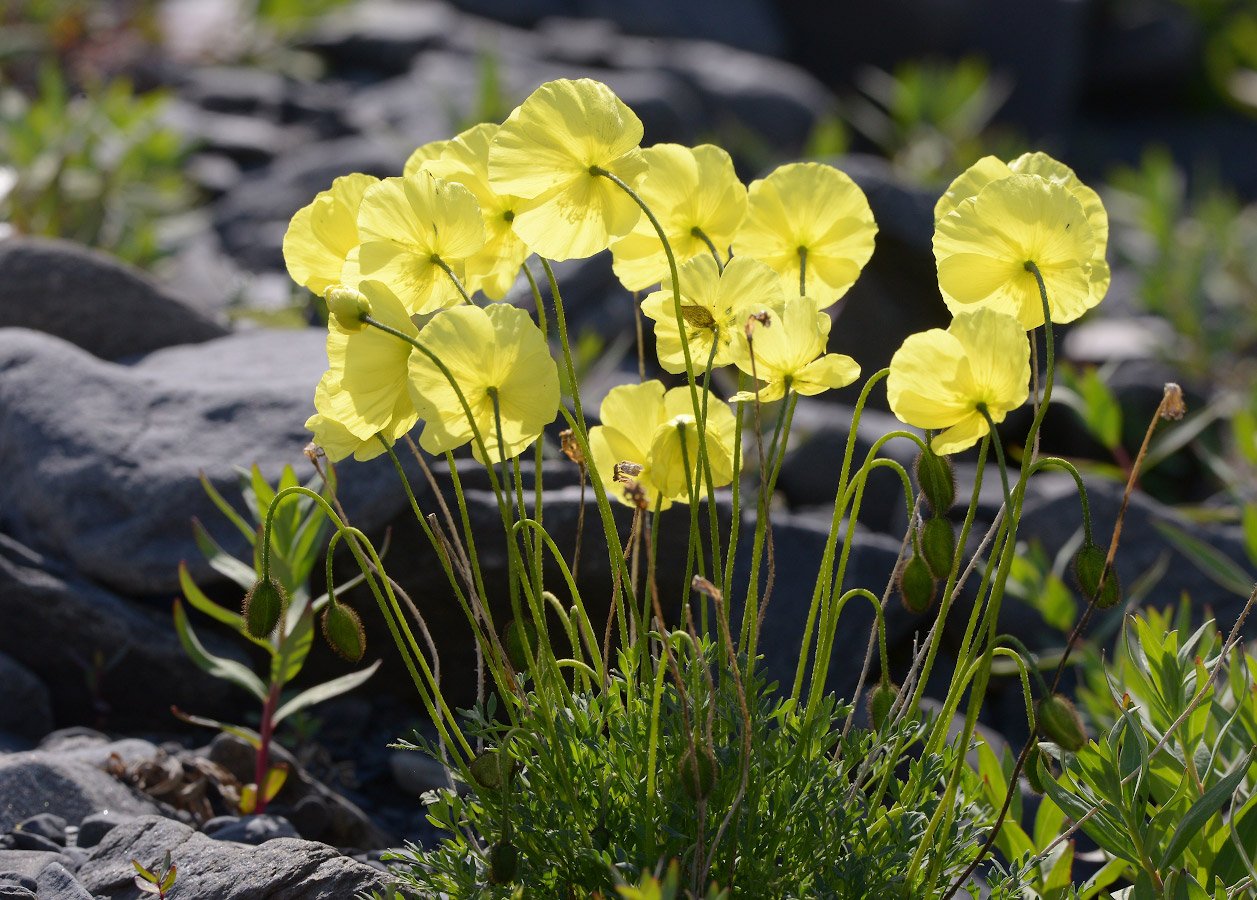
921,386
961,436
830,371
321,235
969,183
998,355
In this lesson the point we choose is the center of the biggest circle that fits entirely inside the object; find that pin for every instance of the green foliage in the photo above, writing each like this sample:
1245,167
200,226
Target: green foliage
1194,255
98,167
1172,779
928,117
575,810
159,880
298,529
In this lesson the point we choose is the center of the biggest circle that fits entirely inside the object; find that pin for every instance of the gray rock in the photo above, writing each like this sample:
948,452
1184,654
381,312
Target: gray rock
96,749
56,881
94,827
34,782
15,892
283,869
256,829
239,90
99,303
45,825
25,704
23,866
14,879
34,842
382,35
82,630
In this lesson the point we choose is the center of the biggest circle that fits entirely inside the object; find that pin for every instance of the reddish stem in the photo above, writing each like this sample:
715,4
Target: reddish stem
265,732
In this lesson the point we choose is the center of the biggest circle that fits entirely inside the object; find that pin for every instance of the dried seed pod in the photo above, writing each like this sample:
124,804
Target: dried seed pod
1059,721
938,546
263,605
937,479
917,586
342,627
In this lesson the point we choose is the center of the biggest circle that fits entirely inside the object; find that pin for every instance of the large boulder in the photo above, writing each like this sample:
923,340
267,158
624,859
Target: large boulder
25,706
101,304
282,869
42,782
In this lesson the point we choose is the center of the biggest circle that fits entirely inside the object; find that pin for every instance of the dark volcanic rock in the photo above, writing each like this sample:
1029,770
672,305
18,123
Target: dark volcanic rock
36,782
93,300
282,869
25,705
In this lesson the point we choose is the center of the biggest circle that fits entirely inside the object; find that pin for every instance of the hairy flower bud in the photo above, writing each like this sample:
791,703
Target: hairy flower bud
880,701
503,862
938,546
491,770
342,627
1036,770
516,635
916,585
937,480
1088,569
698,771
263,605
1059,721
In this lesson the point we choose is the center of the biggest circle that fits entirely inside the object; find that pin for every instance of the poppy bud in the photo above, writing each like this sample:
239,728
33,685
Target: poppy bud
916,585
503,863
938,546
937,480
263,605
1088,569
1059,721
342,627
698,771
517,635
491,770
880,701
1035,771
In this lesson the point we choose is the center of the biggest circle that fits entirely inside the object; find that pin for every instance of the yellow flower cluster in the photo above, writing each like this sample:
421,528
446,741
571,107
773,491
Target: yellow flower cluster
1010,239
735,276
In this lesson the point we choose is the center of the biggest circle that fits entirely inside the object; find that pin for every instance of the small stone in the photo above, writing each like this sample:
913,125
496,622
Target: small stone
73,857
97,825
10,879
45,825
255,830
25,841
217,824
15,892
311,817
57,881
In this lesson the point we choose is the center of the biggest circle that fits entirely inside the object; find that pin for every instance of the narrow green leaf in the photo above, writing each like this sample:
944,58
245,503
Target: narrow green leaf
227,669
325,691
226,508
1250,531
275,779
1047,822
144,873
1202,810
169,881
1212,562
294,647
220,560
204,604
1103,414
1099,827
252,738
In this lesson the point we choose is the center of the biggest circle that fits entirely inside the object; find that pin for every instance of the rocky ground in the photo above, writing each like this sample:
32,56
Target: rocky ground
117,390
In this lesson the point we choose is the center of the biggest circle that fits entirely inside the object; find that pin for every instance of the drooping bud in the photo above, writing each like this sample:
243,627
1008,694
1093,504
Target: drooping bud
698,770
503,862
491,770
880,701
516,636
937,480
1059,721
263,605
938,546
1089,569
916,585
342,626
347,306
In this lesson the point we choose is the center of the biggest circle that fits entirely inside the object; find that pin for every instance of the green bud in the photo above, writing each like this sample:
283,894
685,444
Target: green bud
1059,721
503,862
517,635
938,546
880,700
263,606
916,585
698,771
1088,567
491,770
1035,770
347,306
937,480
343,629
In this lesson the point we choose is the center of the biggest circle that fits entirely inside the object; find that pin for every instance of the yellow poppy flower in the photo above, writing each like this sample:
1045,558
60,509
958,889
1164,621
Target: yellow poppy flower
413,228
714,305
812,219
465,160
788,354
367,382
339,442
546,151
321,236
497,351
694,193
994,218
938,378
648,426
422,154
